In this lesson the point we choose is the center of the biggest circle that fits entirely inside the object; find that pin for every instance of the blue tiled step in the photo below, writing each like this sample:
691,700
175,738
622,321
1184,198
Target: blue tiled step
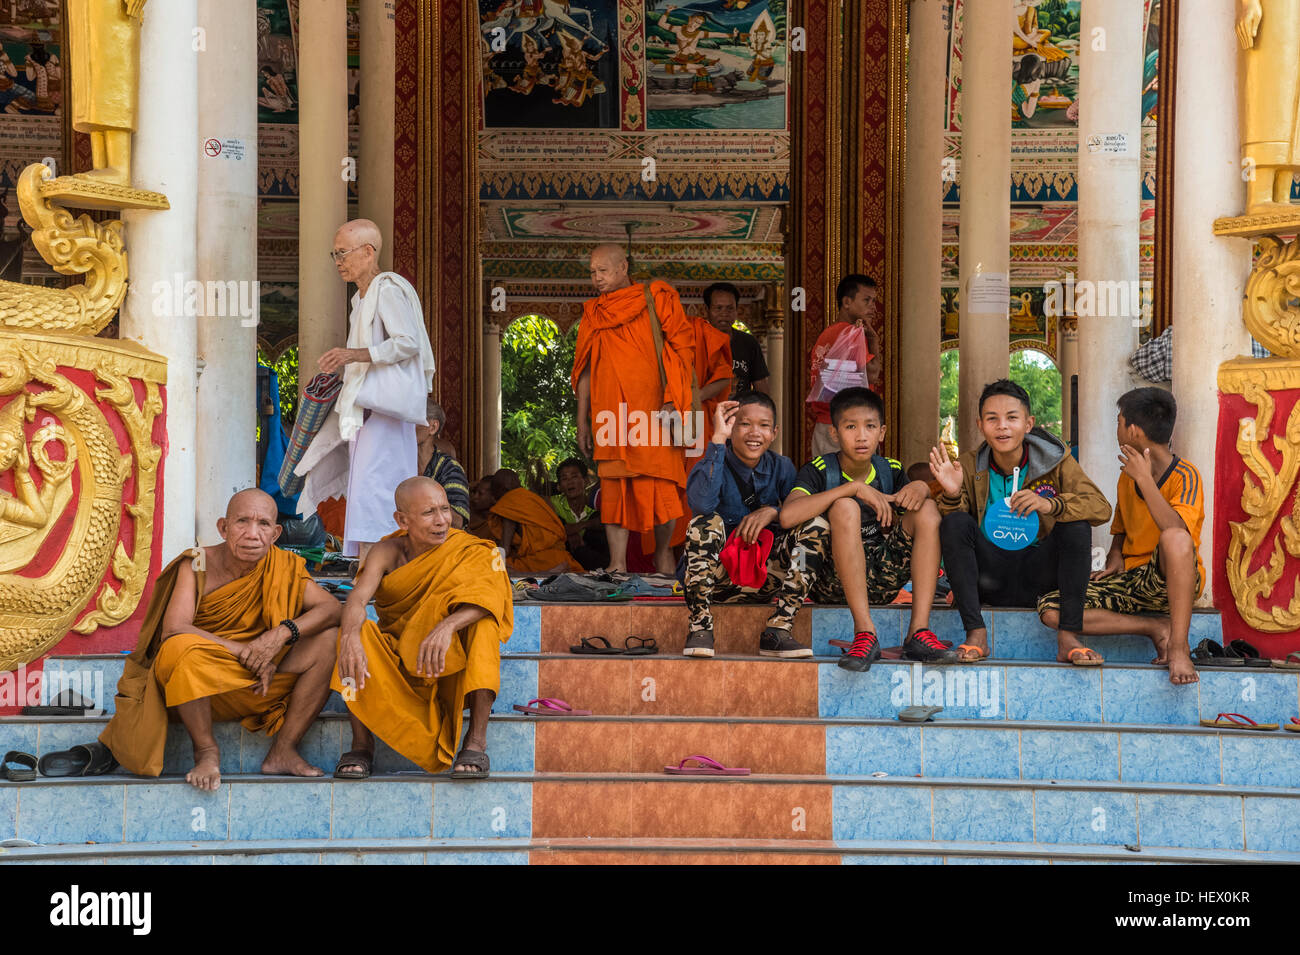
966,748
517,852
128,810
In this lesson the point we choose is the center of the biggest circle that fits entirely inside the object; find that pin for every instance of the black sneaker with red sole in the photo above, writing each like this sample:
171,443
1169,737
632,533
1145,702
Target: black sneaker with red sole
864,652
925,646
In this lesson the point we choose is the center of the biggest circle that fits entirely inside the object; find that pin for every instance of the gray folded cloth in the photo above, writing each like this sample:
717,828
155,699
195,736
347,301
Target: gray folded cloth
576,588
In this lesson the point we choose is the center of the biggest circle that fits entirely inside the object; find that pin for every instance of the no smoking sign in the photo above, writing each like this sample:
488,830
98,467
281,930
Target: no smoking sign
223,148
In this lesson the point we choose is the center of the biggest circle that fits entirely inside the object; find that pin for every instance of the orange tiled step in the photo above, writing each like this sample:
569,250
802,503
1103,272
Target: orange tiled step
736,628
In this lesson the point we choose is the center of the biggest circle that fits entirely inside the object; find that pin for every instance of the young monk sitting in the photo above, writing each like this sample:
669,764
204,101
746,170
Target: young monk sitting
862,530
238,631
480,508
444,608
524,525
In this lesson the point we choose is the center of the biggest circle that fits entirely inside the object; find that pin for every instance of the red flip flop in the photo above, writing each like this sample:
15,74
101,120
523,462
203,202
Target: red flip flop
1293,726
550,707
706,767
1235,721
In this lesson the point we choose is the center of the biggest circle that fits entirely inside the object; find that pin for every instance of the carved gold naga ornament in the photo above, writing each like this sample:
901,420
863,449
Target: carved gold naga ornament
45,334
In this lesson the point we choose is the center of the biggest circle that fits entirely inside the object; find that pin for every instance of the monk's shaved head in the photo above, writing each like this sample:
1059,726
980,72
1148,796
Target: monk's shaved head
416,490
503,482
609,268
252,500
359,232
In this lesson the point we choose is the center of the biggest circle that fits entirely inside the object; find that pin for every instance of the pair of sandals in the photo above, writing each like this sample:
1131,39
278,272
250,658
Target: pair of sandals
362,763
633,646
89,759
1240,653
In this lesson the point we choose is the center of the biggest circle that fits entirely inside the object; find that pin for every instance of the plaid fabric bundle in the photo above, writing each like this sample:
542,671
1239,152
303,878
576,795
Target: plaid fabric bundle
317,402
1154,361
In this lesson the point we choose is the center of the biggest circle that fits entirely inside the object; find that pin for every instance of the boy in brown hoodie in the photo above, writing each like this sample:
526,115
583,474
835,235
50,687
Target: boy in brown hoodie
1050,484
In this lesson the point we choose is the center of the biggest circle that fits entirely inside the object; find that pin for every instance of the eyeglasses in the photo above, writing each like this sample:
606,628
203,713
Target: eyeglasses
338,256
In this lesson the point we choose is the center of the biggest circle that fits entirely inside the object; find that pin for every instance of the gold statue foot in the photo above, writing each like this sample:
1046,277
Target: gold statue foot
97,190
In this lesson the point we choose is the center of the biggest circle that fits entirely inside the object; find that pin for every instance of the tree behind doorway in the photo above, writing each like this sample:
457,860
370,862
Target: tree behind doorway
538,408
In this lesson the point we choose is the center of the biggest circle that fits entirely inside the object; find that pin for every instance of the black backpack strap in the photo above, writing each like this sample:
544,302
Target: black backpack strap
885,472
832,459
748,493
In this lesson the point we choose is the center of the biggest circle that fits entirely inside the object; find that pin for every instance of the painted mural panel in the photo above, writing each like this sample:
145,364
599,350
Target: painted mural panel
550,63
716,64
277,61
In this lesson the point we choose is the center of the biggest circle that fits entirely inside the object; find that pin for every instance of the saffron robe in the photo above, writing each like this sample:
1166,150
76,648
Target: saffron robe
421,717
541,539
642,474
186,667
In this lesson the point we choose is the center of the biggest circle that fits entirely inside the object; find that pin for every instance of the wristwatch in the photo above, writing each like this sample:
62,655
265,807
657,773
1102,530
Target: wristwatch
294,634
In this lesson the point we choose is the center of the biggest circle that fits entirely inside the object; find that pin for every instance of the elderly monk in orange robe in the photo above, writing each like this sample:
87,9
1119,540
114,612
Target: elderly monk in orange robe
624,404
530,532
444,606
238,631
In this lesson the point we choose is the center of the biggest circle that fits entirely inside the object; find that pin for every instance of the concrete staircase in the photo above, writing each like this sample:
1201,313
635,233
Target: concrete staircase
1030,762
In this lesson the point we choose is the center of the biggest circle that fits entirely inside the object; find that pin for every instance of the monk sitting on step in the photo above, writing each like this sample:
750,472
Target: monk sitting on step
444,607
526,527
238,631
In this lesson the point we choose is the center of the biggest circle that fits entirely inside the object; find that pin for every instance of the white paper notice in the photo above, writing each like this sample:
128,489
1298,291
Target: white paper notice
224,149
1114,143
989,294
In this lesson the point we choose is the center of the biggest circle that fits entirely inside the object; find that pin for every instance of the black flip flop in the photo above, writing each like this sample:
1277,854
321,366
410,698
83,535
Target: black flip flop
89,759
643,647
472,757
67,703
1248,653
15,774
357,757
1208,653
596,646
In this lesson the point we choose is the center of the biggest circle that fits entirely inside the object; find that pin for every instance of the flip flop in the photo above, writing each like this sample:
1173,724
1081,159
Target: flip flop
1210,653
67,703
1293,726
550,707
1248,653
1085,663
1235,721
706,767
918,714
982,651
26,761
472,757
90,759
644,646
1290,662
362,759
596,646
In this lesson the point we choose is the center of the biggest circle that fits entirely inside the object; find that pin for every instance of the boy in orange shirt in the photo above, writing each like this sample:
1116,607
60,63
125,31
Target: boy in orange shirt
1153,572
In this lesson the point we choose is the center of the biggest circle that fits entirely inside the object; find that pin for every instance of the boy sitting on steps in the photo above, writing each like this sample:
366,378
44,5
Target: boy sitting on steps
861,531
1153,572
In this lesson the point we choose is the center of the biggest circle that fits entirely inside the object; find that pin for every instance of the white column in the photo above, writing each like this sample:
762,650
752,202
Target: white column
375,165
919,337
491,454
322,193
1209,272
161,245
985,206
1068,363
227,259
775,358
1110,184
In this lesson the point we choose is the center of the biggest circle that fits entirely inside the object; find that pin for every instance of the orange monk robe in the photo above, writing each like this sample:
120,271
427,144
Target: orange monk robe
186,667
421,717
541,538
642,477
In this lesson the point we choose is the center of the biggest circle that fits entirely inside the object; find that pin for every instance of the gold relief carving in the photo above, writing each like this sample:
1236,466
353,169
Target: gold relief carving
36,612
1264,498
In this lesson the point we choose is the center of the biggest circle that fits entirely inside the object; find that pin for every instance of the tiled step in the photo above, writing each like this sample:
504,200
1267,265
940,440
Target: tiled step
666,685
632,806
807,746
620,852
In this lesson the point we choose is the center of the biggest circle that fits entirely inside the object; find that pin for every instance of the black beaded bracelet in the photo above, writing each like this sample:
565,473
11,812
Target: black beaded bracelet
293,632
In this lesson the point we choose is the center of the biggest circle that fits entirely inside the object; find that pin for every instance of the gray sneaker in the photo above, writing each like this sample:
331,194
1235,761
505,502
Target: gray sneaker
779,643
699,643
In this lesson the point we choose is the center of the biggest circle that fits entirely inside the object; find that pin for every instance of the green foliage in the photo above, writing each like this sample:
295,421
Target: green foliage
1031,370
538,409
286,370
1061,17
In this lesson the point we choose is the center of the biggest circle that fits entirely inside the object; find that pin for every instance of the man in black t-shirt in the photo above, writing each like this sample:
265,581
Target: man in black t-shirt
748,368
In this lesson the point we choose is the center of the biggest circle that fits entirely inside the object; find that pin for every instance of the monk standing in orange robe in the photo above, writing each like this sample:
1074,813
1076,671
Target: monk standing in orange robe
238,631
624,404
539,547
445,608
